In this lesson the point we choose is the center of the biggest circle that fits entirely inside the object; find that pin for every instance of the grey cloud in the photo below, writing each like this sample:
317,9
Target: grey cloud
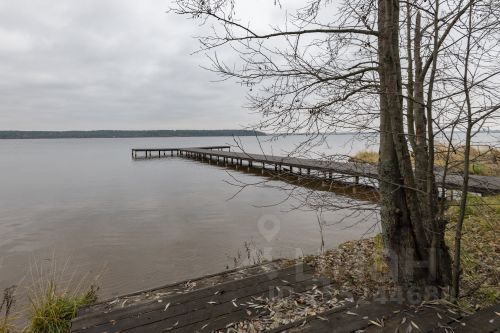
114,64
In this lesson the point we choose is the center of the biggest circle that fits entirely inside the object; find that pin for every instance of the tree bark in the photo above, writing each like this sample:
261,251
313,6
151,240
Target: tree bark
408,223
405,240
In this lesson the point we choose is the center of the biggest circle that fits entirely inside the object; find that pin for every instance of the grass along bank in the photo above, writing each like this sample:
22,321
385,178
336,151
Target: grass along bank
52,311
480,254
49,312
49,302
484,160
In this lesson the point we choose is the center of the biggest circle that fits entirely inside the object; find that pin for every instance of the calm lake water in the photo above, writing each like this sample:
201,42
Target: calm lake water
141,224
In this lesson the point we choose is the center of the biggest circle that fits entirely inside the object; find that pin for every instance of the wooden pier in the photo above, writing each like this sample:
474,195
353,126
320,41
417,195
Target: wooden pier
326,170
235,301
145,153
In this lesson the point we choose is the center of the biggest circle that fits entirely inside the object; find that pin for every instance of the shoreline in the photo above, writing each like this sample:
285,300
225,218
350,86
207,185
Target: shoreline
340,285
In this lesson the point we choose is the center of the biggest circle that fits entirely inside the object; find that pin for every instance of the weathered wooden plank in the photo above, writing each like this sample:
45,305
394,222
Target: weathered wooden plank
187,313
291,274
422,319
184,297
228,320
484,321
344,320
395,317
139,297
228,284
217,316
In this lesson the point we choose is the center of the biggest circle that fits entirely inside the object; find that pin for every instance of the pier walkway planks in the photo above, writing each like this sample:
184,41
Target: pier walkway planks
484,185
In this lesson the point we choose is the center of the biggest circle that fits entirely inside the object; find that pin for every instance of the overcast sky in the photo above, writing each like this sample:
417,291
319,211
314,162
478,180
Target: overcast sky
111,64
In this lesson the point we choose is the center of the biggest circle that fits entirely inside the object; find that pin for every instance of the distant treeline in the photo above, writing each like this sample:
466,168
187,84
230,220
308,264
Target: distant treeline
122,134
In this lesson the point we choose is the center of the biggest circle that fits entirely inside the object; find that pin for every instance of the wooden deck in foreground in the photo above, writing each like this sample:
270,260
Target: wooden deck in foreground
235,301
326,170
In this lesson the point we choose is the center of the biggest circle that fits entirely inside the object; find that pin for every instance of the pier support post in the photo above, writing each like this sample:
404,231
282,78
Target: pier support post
323,182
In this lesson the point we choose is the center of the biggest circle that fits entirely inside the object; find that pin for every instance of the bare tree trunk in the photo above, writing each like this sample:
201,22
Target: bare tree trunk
455,285
439,259
408,209
403,234
420,150
410,118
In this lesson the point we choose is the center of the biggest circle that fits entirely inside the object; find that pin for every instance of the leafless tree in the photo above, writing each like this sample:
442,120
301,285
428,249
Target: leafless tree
475,60
340,66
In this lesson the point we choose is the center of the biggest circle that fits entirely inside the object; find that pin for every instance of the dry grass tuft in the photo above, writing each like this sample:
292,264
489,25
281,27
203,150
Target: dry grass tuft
484,160
55,297
6,318
53,311
251,255
370,157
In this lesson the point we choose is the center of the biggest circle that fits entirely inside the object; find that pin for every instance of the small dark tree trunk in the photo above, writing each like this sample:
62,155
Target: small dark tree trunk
455,286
